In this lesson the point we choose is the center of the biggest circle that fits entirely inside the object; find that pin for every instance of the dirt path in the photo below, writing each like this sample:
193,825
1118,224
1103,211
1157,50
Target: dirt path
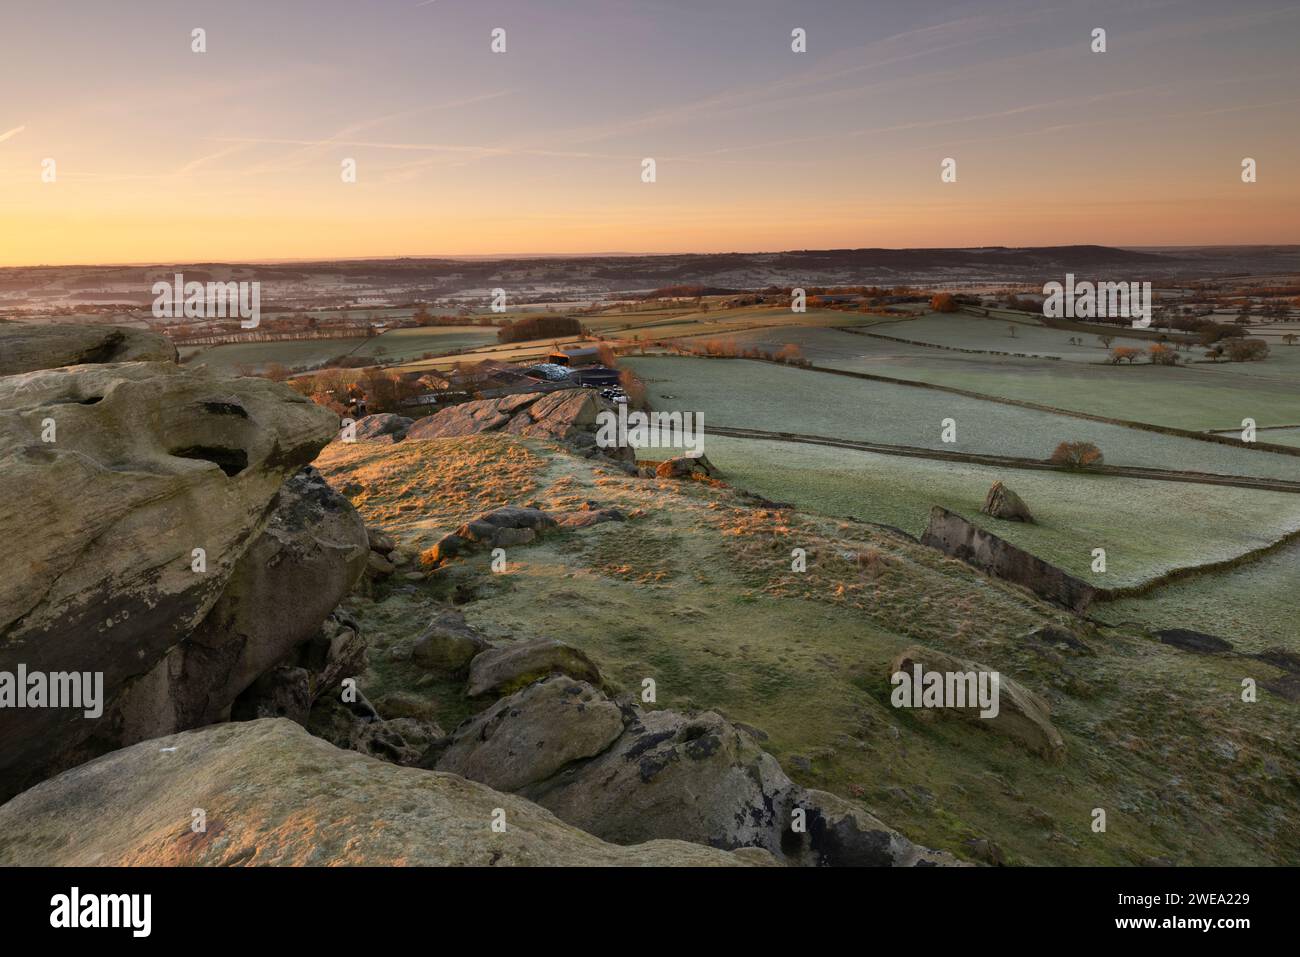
1007,461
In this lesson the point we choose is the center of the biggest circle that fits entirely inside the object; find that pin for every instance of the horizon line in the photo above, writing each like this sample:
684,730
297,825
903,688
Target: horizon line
618,255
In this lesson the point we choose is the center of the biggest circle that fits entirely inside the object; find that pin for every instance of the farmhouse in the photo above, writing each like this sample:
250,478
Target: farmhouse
430,399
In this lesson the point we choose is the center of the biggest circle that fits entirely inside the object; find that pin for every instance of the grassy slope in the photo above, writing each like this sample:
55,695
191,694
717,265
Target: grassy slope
695,591
1198,397
413,343
395,344
1255,605
1179,398
294,352
743,393
1147,528
1282,436
963,331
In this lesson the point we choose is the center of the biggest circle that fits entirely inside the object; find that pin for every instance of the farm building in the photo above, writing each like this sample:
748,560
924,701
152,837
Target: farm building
430,399
595,377
548,371
576,356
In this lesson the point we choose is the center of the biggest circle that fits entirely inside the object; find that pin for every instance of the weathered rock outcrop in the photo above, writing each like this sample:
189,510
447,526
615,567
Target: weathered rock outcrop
335,652
1005,504
471,418
558,415
527,737
955,536
586,517
27,347
511,526
629,775
148,482
700,778
384,558
308,557
274,795
685,466
448,644
561,415
510,667
403,741
382,425
1022,715
499,528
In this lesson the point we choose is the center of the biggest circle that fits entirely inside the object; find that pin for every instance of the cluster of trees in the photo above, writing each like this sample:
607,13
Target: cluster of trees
686,291
1272,310
1208,333
1163,355
608,357
1129,354
788,354
1233,348
1239,350
634,388
386,391
943,302
867,292
1160,353
382,391
539,327
423,317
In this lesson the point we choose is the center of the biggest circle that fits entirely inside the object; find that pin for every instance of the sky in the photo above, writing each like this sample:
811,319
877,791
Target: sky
163,154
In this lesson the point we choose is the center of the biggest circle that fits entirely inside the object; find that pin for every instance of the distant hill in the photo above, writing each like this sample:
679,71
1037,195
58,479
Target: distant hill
557,278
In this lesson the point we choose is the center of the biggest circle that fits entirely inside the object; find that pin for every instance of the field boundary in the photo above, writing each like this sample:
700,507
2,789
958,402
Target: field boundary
935,345
1009,461
1191,571
1035,406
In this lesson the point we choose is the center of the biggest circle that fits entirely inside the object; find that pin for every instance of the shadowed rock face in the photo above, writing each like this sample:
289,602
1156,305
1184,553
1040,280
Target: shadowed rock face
526,738
1194,641
955,536
698,777
448,644
148,462
510,667
306,560
28,347
274,795
629,776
